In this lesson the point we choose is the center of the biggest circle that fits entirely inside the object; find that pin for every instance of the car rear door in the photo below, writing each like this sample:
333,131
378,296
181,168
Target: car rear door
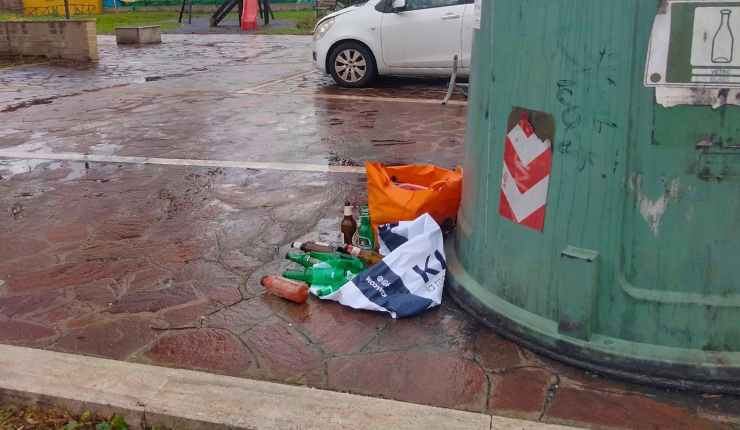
467,34
427,34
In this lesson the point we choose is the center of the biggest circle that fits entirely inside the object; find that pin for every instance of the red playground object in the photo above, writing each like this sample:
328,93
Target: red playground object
249,15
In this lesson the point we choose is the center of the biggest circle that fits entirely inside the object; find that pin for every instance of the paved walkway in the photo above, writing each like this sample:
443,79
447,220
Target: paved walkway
159,263
150,396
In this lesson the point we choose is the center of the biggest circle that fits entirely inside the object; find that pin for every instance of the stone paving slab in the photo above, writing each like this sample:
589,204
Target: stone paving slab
159,264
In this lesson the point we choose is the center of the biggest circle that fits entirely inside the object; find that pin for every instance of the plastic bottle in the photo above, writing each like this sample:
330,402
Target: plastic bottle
290,290
324,276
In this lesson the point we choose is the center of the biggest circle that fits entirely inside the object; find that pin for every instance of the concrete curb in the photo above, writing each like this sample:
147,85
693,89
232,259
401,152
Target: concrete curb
184,399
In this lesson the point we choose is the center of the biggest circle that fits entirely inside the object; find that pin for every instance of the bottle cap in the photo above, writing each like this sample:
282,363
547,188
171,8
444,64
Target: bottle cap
296,245
353,250
347,210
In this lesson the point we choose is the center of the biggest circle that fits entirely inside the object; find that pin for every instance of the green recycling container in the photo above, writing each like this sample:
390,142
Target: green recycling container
600,219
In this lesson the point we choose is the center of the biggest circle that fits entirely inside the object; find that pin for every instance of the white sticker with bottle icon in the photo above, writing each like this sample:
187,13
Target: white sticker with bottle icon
715,47
695,44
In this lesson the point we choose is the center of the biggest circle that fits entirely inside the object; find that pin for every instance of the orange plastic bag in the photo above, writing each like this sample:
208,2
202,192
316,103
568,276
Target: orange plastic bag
423,189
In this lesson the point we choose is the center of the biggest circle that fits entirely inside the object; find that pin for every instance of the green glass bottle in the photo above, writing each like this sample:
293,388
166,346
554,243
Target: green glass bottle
333,259
347,262
324,276
365,232
325,291
304,260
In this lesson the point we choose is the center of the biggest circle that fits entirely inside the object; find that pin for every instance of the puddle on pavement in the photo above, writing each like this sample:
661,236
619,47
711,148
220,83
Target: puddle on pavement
11,168
9,131
105,148
38,142
76,170
218,204
392,87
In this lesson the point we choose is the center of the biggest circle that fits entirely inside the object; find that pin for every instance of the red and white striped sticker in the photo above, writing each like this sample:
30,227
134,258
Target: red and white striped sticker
526,176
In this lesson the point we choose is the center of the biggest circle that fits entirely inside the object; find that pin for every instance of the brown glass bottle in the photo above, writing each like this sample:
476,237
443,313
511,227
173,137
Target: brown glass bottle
368,257
349,225
313,247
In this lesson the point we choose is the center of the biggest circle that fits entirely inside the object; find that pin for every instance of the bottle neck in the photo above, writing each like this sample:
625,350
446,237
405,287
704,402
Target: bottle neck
348,211
304,276
302,259
725,18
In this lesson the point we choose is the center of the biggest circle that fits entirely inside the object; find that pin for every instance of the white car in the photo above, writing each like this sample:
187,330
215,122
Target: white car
394,37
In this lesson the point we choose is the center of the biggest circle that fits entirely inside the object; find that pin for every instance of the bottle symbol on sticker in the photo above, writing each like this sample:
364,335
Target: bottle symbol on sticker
723,44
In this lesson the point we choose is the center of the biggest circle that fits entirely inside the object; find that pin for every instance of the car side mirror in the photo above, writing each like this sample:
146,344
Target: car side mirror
399,5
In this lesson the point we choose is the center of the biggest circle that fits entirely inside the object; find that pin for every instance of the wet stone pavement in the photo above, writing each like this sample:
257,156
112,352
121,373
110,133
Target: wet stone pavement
161,263
177,56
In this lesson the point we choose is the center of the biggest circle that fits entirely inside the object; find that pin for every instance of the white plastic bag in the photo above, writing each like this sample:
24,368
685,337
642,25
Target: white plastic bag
409,280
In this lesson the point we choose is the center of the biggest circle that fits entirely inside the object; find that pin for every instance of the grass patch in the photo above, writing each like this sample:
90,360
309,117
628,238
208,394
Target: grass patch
304,19
106,23
43,417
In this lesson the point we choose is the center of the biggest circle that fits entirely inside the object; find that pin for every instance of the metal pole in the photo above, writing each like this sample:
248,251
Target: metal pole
66,9
182,10
266,8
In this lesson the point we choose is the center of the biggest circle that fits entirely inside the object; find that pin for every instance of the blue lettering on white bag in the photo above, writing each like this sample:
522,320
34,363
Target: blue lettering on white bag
391,239
428,270
386,289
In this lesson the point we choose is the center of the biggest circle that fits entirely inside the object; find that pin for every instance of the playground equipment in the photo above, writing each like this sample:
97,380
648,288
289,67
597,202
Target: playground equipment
248,12
61,7
249,15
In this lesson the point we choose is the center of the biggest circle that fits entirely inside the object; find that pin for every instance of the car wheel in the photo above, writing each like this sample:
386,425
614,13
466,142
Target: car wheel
352,65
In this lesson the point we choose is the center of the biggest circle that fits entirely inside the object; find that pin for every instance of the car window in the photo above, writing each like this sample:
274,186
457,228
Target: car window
427,4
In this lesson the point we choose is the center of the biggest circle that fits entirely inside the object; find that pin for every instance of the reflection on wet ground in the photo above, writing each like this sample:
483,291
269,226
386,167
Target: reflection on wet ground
178,56
387,86
160,263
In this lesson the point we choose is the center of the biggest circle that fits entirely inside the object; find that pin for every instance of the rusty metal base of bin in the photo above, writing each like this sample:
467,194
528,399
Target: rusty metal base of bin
642,371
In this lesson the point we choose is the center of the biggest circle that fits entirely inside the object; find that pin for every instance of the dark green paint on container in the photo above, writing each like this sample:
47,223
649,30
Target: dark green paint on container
652,194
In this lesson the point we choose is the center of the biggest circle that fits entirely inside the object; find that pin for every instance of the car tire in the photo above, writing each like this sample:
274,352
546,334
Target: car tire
352,65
